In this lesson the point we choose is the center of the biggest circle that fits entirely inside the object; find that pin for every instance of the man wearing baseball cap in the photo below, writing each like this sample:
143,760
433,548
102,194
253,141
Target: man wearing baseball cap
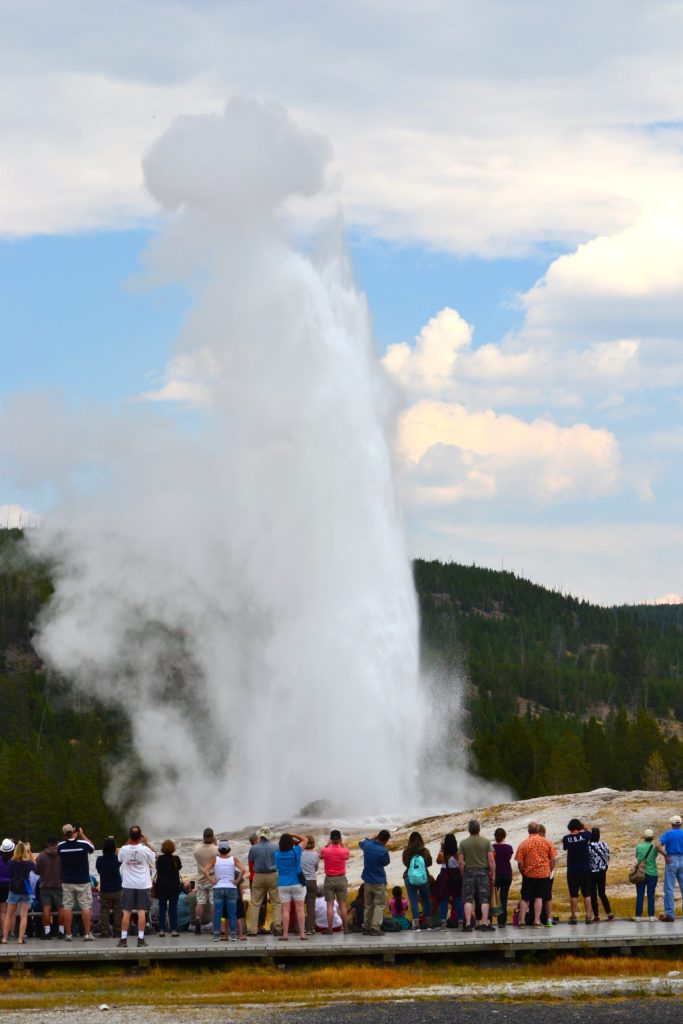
670,844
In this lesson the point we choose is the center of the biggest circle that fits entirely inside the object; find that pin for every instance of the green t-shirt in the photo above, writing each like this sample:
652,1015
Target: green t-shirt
651,862
475,850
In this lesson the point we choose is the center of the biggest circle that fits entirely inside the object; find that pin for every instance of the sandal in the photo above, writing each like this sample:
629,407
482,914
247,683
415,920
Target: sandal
283,938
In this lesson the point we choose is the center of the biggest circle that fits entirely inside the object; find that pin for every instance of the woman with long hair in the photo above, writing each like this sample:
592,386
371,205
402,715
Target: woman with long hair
168,886
448,888
416,859
20,867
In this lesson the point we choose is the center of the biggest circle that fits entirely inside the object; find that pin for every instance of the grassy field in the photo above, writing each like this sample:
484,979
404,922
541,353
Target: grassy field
191,986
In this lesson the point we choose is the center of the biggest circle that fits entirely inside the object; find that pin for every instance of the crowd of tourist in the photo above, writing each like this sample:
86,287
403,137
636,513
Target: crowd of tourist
467,887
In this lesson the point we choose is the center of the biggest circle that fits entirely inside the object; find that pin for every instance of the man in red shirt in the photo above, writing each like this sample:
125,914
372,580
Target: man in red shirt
334,856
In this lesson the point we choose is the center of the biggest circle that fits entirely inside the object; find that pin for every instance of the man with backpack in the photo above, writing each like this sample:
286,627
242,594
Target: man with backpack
478,868
417,858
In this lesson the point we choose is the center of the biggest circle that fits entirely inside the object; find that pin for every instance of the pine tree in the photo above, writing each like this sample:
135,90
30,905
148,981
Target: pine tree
655,775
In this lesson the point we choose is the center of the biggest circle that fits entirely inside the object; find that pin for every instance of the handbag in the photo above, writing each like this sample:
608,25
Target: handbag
302,878
496,904
638,871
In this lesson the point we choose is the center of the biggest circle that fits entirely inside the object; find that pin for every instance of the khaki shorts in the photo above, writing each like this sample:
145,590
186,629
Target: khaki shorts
336,888
204,891
80,893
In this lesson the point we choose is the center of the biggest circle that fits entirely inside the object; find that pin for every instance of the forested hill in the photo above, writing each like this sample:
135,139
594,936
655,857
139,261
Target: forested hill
561,694
593,695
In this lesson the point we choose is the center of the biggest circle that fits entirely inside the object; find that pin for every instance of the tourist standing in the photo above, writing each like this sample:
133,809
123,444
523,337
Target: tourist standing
416,859
502,852
335,886
20,867
310,858
647,851
599,860
536,859
108,868
204,852
137,859
224,870
263,912
74,851
290,887
478,867
448,888
375,859
168,886
577,844
6,851
264,883
49,870
670,845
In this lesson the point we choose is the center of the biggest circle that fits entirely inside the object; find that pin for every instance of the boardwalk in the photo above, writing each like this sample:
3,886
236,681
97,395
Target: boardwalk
621,936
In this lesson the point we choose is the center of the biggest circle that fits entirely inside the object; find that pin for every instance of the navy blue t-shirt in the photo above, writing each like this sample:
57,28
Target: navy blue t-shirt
73,854
110,875
577,845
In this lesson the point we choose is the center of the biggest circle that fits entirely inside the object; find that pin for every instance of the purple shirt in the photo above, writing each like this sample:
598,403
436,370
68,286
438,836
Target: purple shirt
503,854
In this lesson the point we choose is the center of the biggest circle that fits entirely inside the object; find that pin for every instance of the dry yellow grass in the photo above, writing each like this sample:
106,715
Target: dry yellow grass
189,986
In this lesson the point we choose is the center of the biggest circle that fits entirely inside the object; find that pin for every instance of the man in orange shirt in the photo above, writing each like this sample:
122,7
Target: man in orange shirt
536,859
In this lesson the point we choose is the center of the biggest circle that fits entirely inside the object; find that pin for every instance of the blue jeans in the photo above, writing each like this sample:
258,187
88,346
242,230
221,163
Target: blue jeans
649,884
456,902
673,873
422,891
170,902
224,905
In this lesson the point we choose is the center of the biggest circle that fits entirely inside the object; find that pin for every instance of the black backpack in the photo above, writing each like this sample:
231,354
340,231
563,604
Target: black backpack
18,879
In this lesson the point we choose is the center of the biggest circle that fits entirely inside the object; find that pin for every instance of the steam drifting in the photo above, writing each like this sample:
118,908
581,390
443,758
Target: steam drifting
242,588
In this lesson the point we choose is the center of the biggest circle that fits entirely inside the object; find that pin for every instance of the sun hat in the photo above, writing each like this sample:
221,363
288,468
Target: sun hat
648,833
265,833
6,846
676,819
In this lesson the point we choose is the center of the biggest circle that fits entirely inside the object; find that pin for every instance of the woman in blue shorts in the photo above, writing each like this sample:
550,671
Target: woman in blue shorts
20,893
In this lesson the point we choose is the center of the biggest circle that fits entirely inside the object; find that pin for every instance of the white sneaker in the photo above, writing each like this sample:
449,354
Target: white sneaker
652,918
89,937
638,919
68,938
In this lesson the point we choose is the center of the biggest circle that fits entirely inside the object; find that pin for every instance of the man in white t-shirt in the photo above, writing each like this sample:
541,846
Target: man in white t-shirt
137,859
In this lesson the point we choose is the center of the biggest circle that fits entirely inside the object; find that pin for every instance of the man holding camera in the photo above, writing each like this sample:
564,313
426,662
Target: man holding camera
74,851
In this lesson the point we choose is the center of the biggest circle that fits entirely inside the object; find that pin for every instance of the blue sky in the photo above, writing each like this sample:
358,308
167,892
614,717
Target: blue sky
516,226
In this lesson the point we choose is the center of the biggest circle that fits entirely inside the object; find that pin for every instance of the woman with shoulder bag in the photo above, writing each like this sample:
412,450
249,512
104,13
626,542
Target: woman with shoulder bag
646,855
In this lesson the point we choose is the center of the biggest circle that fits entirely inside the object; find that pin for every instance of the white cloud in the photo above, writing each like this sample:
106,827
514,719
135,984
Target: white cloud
451,453
469,149
668,599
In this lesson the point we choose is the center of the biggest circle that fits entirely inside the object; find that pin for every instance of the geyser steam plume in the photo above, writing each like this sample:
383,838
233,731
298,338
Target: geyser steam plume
243,588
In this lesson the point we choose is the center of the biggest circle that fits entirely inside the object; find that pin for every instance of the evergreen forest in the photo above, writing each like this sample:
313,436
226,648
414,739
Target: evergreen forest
560,695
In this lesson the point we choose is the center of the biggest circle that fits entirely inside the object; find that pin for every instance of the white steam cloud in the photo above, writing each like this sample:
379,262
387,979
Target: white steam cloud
241,585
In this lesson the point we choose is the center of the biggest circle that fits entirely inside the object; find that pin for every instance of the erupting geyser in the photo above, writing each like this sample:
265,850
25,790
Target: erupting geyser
241,585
